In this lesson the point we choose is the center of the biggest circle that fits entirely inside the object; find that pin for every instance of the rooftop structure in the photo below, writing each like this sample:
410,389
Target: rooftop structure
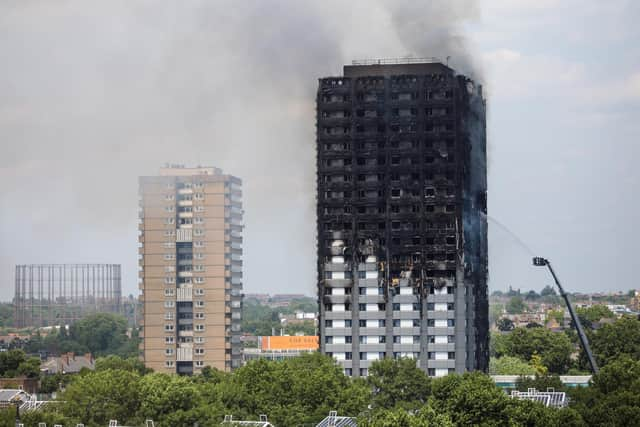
333,420
60,294
550,398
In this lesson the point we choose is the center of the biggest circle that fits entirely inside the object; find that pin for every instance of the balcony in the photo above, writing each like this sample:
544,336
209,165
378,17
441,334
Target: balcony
184,354
185,294
184,235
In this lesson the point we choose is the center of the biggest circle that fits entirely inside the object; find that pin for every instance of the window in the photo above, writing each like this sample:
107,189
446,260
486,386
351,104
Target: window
199,363
168,257
328,323
168,340
168,315
169,292
168,351
198,351
198,244
169,220
199,315
199,304
168,327
199,340
169,364
200,280
199,291
169,304
199,327
198,267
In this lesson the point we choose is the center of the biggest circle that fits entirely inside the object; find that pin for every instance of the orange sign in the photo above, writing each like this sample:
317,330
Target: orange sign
290,343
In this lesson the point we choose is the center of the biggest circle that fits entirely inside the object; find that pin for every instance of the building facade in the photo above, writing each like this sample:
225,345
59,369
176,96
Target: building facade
190,234
401,217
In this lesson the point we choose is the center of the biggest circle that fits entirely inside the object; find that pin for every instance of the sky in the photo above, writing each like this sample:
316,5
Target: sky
95,94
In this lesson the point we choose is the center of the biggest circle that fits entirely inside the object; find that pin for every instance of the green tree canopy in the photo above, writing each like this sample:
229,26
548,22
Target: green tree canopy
613,340
132,364
516,305
507,365
97,397
554,348
398,383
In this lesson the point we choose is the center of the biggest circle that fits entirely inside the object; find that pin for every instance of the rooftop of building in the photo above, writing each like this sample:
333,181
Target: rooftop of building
182,170
395,66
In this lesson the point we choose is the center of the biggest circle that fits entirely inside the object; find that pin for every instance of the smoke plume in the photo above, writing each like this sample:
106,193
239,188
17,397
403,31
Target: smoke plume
95,94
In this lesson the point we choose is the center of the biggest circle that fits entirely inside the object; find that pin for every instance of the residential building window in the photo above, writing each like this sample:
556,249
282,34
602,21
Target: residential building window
199,327
168,327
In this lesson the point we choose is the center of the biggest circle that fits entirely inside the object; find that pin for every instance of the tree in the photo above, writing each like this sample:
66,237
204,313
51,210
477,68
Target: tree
101,333
614,397
294,391
557,315
132,364
100,396
505,324
516,305
613,340
589,315
470,399
425,417
496,310
531,295
554,348
170,398
507,365
15,363
29,368
398,383
548,291
540,382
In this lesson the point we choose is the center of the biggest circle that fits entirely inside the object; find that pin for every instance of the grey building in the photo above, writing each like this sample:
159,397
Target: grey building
401,217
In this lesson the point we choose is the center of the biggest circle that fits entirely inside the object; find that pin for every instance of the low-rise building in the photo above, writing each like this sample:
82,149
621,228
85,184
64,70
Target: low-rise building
68,363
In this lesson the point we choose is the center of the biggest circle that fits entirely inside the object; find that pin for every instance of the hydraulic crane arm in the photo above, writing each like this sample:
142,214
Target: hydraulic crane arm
539,261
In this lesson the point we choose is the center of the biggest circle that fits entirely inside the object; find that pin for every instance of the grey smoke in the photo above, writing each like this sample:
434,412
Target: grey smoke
94,94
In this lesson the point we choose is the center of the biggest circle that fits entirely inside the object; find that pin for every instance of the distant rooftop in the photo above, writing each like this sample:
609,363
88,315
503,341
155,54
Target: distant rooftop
182,170
395,66
393,61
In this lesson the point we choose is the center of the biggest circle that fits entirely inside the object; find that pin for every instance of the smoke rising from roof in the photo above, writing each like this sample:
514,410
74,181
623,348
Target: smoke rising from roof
92,95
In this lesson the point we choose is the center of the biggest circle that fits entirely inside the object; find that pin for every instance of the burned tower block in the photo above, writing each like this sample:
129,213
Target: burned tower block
401,217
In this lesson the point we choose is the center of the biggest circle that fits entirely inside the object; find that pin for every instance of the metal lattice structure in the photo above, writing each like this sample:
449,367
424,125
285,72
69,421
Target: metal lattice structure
60,294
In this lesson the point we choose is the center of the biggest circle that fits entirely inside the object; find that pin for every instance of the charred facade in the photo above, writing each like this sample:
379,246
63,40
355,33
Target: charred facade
402,233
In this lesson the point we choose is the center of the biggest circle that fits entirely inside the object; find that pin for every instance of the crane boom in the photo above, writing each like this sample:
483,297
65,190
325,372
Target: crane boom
539,261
